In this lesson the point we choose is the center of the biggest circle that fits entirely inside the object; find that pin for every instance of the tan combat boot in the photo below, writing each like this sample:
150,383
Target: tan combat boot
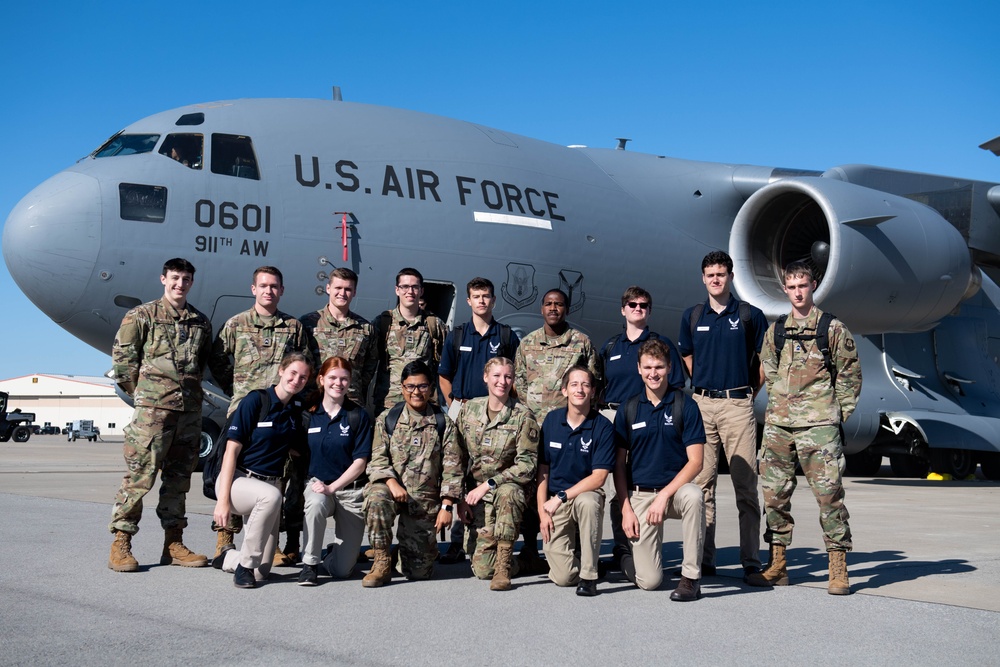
381,571
175,553
121,559
777,569
501,568
839,585
223,538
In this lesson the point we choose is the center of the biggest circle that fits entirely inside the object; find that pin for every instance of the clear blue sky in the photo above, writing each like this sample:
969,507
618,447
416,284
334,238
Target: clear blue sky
911,85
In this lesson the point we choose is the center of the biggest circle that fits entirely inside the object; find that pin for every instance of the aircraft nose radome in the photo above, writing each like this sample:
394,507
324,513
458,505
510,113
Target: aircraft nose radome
51,241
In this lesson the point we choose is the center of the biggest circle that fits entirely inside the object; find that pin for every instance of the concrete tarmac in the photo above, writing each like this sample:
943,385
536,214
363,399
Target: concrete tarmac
925,571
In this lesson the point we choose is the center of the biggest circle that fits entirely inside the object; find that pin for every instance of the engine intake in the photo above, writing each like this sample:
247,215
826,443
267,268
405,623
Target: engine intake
884,263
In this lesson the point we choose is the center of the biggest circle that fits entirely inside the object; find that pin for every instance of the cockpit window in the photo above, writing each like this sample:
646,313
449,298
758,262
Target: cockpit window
145,203
127,144
232,155
185,148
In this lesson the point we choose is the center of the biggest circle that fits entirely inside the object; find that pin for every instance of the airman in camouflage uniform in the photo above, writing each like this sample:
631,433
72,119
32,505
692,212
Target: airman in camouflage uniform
246,355
804,412
337,331
415,474
501,456
405,334
158,359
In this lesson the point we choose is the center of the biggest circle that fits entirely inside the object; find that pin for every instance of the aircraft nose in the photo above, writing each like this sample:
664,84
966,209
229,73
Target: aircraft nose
51,241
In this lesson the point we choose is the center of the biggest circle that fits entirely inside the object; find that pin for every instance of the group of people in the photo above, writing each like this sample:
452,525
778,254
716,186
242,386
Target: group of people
535,436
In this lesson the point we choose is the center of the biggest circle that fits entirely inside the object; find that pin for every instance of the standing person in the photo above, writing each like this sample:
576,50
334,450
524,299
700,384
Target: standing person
813,382
720,340
576,456
337,331
499,439
249,481
660,444
340,446
404,334
246,355
540,364
416,475
620,358
466,351
159,356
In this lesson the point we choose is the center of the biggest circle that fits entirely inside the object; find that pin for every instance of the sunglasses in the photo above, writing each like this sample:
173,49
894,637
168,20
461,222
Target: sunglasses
638,305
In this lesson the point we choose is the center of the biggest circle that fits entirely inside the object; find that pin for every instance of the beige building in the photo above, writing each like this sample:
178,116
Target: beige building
60,399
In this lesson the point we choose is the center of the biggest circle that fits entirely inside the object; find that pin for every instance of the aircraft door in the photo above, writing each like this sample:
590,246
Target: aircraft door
440,299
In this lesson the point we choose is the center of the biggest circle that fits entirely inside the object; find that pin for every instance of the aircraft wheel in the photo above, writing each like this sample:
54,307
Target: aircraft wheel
959,463
865,463
21,434
990,464
209,441
907,465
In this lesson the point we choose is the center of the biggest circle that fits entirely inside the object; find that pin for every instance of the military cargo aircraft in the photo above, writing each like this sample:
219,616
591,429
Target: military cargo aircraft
308,185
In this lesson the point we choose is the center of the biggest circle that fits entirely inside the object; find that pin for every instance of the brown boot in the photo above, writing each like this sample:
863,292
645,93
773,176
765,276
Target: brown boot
175,553
839,584
381,572
223,538
501,568
777,569
121,559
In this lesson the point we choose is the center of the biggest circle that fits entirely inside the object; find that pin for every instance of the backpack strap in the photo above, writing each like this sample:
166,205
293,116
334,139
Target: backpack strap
392,418
696,312
606,352
822,338
677,412
505,333
384,323
457,336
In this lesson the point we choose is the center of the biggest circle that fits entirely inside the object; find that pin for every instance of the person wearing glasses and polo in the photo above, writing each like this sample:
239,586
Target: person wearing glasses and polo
620,357
415,474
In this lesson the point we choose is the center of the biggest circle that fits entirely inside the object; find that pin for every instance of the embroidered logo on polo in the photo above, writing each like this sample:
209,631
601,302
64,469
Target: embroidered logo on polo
494,348
668,419
734,324
585,445
345,430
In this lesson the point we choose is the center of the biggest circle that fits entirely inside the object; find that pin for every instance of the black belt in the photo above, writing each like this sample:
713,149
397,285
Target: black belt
647,489
264,478
742,392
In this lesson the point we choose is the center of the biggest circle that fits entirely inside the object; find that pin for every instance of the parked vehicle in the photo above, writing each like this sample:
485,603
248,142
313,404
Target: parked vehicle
83,428
14,425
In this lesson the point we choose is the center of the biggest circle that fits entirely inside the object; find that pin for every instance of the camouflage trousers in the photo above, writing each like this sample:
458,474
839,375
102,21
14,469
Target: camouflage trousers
417,543
497,517
164,441
818,451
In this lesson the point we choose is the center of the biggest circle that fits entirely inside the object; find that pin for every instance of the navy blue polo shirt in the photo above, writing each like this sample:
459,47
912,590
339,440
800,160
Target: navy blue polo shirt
265,442
466,371
332,445
658,451
574,453
621,366
719,345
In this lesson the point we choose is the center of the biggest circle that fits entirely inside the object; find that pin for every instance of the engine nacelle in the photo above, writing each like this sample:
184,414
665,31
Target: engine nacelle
884,263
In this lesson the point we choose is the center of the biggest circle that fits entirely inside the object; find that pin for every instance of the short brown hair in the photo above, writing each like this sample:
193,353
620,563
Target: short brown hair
634,292
343,273
272,270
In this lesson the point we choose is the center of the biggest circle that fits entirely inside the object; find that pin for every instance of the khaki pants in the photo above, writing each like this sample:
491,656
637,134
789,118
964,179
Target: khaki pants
348,526
259,503
730,426
644,565
585,512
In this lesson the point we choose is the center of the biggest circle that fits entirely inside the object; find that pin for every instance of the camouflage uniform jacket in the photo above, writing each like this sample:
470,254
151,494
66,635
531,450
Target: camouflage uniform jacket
429,467
405,342
353,339
541,362
798,388
505,449
159,355
249,349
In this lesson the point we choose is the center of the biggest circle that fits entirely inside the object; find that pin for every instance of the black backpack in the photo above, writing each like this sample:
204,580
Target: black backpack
392,417
213,462
822,338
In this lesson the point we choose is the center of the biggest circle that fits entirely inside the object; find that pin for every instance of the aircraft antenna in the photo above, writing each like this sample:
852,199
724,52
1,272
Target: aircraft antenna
621,143
336,94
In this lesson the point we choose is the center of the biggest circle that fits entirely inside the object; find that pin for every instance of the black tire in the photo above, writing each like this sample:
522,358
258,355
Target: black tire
990,464
959,463
209,441
865,463
21,434
907,465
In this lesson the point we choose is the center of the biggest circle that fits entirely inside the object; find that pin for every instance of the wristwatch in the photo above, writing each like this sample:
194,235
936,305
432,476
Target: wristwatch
562,496
447,508
492,483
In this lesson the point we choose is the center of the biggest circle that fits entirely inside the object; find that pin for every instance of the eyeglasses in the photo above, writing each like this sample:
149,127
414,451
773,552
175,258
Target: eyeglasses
410,388
638,305
408,288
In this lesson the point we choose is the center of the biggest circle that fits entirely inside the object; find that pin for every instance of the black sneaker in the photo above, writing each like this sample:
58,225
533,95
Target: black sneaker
454,554
218,561
587,588
308,575
244,578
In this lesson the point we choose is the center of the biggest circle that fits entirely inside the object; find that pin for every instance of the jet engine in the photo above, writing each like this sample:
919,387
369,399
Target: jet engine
883,263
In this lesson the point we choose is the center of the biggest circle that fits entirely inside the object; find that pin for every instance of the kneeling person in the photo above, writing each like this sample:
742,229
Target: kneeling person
416,474
576,457
657,461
